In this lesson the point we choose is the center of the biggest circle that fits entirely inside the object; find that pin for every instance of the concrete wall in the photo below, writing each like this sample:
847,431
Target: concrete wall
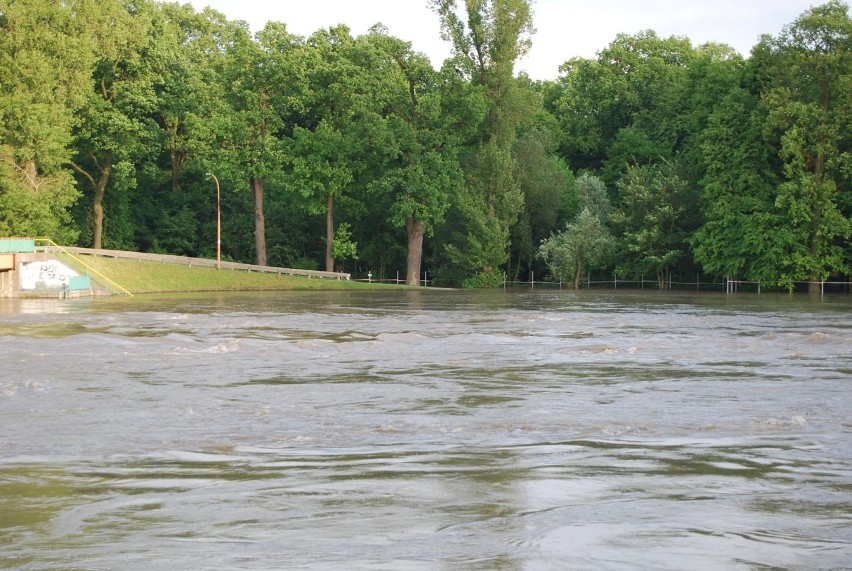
38,275
8,281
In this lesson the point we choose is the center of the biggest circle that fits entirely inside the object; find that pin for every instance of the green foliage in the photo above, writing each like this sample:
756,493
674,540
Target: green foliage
810,106
489,203
486,46
38,212
490,279
584,244
112,111
46,56
775,159
344,247
591,194
483,249
625,106
648,220
545,182
743,234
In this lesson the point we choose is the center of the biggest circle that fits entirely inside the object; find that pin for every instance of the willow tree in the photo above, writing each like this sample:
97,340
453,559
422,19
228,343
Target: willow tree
586,243
486,46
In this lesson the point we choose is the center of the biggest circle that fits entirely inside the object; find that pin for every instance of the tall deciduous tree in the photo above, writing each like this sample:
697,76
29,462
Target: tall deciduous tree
810,107
255,134
115,124
190,49
46,57
419,151
648,219
486,46
336,111
625,106
743,234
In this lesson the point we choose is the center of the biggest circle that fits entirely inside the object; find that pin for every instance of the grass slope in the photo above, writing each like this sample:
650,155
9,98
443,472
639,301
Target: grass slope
153,277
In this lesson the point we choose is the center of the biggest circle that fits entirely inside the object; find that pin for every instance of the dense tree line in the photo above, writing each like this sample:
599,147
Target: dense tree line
655,158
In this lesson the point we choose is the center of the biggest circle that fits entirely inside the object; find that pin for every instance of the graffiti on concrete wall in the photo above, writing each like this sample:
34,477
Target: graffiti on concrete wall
45,275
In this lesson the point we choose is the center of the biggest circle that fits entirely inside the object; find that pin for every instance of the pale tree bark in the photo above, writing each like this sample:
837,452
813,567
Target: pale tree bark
31,174
415,230
329,234
257,185
177,156
578,273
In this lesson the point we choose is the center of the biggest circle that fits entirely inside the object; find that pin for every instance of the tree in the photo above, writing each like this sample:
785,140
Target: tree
418,153
46,58
173,209
115,124
255,135
743,234
190,49
648,217
586,242
545,181
485,48
810,109
337,121
626,105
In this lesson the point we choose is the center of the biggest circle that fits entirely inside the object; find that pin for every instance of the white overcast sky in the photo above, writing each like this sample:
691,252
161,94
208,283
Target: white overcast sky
564,28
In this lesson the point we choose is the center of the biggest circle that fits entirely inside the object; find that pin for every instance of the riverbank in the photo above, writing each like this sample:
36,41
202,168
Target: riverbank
151,277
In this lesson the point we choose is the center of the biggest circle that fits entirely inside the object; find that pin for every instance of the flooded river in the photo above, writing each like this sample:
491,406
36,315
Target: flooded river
426,430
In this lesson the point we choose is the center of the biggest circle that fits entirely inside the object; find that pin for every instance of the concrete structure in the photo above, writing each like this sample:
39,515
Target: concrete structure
27,272
41,275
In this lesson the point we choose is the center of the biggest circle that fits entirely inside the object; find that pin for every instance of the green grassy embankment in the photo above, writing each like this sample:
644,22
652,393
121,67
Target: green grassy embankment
152,277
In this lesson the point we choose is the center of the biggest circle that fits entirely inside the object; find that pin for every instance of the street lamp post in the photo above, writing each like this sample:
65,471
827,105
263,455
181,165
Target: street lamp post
218,223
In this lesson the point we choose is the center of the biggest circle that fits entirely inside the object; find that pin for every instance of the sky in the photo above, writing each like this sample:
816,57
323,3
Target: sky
564,28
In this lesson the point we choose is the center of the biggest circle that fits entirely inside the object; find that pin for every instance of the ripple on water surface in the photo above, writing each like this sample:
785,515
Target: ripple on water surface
541,430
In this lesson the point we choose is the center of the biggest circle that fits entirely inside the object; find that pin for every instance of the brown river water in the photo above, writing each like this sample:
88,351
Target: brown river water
426,430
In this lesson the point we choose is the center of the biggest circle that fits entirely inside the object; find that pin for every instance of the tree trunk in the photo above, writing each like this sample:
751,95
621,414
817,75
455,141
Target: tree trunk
579,272
415,230
329,234
259,220
178,157
31,174
98,203
816,220
517,275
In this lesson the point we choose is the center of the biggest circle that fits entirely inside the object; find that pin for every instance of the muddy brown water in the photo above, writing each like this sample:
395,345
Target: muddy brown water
426,430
